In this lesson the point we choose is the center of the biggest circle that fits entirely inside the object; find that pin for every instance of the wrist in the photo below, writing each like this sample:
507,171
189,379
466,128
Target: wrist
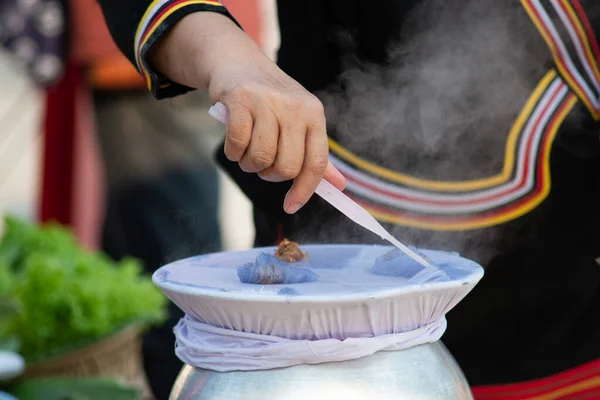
192,49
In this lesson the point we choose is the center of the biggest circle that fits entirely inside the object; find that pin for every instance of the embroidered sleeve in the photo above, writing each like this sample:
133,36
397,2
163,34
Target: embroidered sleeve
137,24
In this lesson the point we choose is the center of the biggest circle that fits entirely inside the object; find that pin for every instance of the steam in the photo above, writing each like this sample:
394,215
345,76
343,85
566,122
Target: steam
443,104
451,83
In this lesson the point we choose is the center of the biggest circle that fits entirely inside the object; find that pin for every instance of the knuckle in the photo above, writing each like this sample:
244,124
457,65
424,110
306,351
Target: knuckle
318,165
241,93
303,102
238,140
287,172
315,105
279,100
262,158
270,127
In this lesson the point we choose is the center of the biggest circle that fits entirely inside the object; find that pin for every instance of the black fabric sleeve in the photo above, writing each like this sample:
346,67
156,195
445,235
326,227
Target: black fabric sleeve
136,25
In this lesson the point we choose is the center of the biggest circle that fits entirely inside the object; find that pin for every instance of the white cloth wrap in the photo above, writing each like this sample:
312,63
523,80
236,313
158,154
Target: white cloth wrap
223,350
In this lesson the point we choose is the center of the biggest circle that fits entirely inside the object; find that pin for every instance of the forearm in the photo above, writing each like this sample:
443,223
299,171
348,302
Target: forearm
189,51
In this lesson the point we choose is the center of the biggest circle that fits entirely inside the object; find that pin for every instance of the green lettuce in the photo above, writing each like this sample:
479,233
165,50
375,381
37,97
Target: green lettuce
63,296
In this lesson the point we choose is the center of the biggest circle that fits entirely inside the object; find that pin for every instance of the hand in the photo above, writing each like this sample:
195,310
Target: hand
276,128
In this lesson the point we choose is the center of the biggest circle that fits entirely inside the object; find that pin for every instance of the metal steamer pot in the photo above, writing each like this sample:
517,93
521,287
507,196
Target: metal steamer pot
425,372
347,301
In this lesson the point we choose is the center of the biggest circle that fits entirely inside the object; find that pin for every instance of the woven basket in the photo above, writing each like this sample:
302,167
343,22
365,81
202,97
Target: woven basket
118,356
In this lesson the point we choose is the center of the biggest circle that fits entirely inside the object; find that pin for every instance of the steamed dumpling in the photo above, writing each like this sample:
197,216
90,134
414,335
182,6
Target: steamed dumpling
268,270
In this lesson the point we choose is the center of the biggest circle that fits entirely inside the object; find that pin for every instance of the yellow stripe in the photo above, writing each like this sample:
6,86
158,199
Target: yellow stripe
583,35
139,29
496,220
157,24
451,186
560,65
569,390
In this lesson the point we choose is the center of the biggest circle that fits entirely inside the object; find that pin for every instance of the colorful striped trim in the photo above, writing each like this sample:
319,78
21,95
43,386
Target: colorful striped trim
589,32
581,383
580,39
521,186
585,84
156,14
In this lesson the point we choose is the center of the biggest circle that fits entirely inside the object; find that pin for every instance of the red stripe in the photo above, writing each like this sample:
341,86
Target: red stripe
469,202
540,386
453,218
588,28
590,394
556,48
153,22
581,38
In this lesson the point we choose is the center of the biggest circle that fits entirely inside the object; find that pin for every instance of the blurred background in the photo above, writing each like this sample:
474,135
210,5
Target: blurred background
22,133
84,145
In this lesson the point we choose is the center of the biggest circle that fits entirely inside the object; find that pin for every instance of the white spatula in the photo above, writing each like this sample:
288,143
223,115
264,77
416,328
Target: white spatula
342,202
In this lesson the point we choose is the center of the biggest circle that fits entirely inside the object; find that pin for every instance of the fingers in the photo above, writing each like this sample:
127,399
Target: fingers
290,153
239,131
262,149
281,137
315,164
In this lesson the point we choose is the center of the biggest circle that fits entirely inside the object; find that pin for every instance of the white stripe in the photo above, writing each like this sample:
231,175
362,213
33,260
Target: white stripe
566,56
144,26
450,209
457,197
577,42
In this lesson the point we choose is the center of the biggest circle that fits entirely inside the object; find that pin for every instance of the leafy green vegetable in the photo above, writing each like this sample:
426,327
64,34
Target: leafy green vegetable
64,295
73,389
9,308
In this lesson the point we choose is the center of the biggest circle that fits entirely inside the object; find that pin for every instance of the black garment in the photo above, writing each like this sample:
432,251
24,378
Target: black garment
533,313
423,100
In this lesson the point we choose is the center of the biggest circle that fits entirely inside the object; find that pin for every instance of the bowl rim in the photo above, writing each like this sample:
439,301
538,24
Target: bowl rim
199,292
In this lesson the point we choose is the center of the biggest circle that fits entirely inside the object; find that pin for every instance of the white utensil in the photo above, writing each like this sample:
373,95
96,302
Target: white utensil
341,202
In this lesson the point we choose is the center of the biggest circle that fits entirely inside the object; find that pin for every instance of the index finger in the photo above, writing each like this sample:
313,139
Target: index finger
315,164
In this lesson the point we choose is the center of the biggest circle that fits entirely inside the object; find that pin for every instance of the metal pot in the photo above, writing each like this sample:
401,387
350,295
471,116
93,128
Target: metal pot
424,372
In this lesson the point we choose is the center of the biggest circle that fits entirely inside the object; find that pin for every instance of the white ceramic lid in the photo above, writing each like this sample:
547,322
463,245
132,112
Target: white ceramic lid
347,299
